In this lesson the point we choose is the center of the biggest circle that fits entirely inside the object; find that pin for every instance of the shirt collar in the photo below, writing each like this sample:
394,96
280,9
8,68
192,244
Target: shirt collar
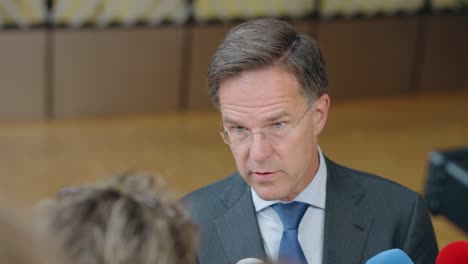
314,194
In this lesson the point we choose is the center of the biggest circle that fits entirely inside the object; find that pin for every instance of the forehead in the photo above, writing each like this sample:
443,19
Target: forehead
259,93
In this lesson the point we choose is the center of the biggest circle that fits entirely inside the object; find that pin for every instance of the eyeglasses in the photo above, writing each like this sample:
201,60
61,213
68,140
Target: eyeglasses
274,134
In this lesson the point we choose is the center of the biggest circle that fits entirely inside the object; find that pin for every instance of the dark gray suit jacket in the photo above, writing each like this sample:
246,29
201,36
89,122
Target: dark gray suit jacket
364,215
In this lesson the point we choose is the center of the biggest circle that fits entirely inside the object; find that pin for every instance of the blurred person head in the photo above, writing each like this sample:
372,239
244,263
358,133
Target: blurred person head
120,221
270,85
21,244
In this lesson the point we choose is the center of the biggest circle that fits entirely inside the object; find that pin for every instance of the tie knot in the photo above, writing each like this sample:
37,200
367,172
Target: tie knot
290,213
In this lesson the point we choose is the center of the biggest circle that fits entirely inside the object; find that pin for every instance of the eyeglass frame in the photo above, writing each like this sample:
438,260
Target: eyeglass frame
225,136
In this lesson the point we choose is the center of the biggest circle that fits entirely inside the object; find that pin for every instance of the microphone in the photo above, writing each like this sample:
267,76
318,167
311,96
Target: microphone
250,261
391,256
456,252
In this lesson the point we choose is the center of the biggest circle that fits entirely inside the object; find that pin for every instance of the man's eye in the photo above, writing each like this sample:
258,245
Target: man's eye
236,129
278,125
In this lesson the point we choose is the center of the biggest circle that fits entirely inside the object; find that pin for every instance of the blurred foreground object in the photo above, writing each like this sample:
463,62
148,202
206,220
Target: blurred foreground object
454,253
122,220
447,185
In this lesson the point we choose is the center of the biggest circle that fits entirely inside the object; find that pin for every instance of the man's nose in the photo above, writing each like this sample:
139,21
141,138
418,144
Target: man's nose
260,149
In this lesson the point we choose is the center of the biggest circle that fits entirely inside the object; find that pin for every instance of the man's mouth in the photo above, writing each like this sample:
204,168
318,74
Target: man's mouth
263,175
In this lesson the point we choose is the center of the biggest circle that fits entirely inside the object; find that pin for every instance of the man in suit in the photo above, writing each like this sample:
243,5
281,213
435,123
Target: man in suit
288,201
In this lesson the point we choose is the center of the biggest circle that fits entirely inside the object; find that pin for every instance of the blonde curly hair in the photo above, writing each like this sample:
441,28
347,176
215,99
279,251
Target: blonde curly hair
127,219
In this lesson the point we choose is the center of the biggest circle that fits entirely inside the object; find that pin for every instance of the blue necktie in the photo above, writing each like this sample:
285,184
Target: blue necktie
290,250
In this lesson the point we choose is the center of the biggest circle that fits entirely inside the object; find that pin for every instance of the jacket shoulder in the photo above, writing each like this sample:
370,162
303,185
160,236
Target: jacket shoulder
209,201
372,184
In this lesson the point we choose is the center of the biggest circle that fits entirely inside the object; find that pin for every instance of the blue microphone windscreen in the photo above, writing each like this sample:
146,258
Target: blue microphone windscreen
391,256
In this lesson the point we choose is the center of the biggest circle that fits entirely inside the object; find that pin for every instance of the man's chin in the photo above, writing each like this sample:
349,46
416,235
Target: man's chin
266,193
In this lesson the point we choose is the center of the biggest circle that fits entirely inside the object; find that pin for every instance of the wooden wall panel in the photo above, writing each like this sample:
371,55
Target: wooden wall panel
22,75
368,57
143,70
445,63
117,71
205,40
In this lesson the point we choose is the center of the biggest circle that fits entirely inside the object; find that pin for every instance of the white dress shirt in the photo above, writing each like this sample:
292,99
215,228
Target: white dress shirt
312,224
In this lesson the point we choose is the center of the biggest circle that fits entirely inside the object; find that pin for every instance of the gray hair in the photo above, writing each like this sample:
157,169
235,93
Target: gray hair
121,221
263,43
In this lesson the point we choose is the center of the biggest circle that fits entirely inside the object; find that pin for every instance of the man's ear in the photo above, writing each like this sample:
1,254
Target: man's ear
320,114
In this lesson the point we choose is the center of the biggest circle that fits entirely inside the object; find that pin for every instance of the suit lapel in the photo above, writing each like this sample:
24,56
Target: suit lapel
347,220
237,227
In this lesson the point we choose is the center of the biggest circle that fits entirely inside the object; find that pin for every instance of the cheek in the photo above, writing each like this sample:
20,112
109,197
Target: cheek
240,155
297,153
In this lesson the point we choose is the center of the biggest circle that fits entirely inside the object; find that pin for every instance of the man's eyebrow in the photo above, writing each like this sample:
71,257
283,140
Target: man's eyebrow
272,118
229,120
277,116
